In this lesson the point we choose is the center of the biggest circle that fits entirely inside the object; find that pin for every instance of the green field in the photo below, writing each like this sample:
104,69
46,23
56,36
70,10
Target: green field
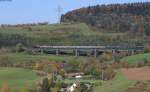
82,80
136,58
17,78
119,84
54,29
23,57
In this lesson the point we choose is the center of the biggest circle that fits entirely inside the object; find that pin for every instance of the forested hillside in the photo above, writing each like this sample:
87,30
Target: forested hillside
133,17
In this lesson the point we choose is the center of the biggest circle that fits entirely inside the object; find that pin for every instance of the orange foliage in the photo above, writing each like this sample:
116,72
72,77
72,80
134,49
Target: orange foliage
5,88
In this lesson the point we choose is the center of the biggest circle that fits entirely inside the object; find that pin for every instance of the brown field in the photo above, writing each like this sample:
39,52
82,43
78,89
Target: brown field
137,73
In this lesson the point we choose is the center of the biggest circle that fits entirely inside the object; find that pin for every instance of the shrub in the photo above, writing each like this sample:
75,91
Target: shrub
146,48
19,47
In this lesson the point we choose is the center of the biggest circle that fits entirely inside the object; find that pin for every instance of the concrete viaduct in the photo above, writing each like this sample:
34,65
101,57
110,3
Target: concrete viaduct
92,50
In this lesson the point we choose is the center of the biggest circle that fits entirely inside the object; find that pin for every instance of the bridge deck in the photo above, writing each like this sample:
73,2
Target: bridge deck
95,47
77,50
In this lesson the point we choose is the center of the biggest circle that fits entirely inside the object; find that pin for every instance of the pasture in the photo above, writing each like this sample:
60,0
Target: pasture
118,84
17,78
23,57
136,58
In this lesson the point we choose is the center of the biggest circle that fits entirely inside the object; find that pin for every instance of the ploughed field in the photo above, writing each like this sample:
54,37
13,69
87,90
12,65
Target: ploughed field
17,78
137,73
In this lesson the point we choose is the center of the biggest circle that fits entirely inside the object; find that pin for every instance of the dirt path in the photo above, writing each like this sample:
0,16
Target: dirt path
137,73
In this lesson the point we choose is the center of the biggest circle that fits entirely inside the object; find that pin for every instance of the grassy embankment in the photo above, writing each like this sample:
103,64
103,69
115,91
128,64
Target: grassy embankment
136,58
23,57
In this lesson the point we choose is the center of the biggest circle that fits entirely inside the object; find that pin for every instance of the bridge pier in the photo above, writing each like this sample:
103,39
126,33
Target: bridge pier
76,52
132,52
41,51
57,52
95,53
113,51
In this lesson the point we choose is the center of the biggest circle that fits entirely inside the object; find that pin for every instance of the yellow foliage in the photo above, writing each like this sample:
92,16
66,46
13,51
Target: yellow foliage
55,89
62,72
107,56
25,89
38,66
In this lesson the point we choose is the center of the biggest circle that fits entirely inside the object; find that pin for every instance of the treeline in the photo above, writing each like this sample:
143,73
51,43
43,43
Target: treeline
24,25
140,8
132,17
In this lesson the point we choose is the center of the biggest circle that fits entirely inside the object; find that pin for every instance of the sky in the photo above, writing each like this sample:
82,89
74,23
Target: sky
32,11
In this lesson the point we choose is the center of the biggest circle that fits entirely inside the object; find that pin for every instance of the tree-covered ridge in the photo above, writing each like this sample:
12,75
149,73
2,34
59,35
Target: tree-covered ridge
132,8
132,17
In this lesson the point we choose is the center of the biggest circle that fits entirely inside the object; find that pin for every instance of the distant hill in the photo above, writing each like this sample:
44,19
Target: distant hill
132,17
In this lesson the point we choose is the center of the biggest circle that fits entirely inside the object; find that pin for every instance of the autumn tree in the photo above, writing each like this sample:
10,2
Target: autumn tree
5,88
45,86
25,89
62,73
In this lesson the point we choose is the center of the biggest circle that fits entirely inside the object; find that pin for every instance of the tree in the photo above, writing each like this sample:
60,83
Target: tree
45,86
109,74
55,89
19,47
146,48
38,66
14,90
147,30
5,88
25,89
62,73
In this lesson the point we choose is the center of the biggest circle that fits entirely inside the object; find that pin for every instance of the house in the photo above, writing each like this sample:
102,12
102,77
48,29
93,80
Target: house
73,87
74,75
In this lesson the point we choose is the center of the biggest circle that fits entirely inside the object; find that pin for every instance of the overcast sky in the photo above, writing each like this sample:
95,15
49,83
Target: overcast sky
30,11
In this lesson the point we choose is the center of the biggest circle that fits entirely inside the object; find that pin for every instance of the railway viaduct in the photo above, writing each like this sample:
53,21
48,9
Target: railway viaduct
92,50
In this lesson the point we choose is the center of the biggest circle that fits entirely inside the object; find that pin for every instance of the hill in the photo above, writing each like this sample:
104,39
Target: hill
133,17
58,34
61,34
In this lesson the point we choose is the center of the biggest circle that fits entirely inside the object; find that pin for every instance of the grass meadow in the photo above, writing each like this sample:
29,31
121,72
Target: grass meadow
136,58
118,84
17,78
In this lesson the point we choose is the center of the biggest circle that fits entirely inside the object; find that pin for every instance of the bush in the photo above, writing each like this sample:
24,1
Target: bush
19,47
108,74
45,87
147,48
